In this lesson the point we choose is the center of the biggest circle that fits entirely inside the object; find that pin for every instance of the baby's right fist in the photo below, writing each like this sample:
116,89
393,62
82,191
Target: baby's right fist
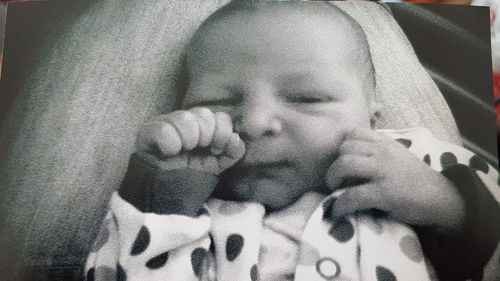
195,139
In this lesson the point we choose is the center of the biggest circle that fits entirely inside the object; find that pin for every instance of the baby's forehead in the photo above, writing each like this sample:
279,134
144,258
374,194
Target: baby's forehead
241,13
288,21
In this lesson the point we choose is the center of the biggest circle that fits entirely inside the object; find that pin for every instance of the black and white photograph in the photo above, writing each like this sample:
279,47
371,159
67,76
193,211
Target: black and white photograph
245,140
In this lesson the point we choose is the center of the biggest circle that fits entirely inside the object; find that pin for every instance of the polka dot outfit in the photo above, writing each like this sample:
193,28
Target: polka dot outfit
231,241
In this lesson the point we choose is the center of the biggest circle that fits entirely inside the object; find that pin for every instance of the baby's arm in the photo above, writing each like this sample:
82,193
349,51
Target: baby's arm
457,217
157,225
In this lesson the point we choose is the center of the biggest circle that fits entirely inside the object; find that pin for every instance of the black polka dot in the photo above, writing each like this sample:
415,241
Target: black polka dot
234,245
254,273
141,243
427,159
477,163
158,261
90,276
342,230
448,159
197,258
384,274
120,273
405,142
202,212
327,207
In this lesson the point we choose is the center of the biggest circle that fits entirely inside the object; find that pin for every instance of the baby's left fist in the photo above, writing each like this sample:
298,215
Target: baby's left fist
381,173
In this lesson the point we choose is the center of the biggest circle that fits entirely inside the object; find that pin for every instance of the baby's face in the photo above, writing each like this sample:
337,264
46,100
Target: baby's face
293,90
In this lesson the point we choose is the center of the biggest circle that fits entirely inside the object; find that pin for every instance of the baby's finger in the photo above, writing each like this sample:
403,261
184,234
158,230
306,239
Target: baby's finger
206,123
349,166
359,198
222,134
234,151
160,136
186,124
235,148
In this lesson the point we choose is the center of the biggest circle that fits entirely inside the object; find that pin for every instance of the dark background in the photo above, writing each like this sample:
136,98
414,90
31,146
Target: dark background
454,46
459,62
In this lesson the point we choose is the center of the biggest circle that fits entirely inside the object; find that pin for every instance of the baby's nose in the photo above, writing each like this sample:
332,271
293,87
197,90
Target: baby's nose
257,120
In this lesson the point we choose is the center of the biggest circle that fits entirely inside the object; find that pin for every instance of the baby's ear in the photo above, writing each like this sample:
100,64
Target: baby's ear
375,110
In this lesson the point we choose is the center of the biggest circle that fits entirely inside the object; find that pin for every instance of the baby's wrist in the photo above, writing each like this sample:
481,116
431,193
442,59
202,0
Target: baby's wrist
151,190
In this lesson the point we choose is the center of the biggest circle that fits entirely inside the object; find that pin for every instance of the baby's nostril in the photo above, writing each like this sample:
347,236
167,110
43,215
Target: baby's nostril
268,133
244,136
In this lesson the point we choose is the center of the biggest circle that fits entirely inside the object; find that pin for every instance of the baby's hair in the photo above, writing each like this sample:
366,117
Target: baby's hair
250,6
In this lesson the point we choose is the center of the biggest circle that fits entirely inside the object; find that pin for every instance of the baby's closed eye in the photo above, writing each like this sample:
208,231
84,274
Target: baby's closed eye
308,97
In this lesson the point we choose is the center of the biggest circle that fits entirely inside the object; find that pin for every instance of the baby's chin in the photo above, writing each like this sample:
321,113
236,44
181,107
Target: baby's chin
272,193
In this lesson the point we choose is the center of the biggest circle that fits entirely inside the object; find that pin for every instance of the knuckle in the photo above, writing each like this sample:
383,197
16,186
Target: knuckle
186,116
202,111
164,130
223,133
222,116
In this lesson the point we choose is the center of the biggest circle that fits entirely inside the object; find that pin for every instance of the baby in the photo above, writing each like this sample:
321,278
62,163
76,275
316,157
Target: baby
273,168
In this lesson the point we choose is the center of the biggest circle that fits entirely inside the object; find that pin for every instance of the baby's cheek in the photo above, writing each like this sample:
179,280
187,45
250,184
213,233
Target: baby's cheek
321,152
316,161
323,135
